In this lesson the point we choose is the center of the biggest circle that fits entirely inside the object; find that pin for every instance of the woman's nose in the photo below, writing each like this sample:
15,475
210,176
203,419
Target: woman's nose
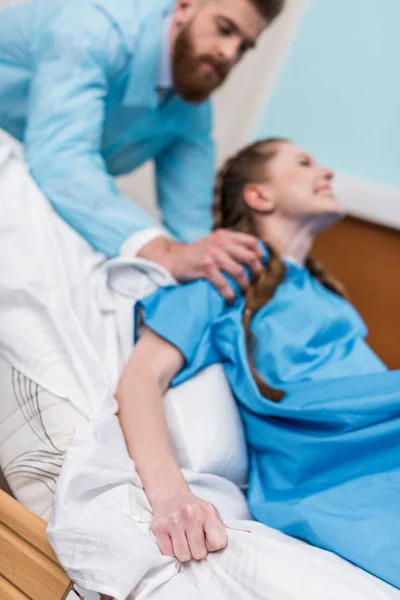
329,174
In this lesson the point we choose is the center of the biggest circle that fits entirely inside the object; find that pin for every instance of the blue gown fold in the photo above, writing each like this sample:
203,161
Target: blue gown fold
325,468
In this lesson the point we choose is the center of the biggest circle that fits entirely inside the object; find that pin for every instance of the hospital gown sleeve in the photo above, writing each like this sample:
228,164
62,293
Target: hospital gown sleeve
185,317
185,180
74,63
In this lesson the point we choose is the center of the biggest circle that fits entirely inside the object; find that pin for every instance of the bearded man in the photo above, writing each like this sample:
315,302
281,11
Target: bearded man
95,88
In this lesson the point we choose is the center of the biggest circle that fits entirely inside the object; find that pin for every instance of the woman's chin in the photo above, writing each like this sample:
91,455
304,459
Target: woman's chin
331,208
327,218
338,211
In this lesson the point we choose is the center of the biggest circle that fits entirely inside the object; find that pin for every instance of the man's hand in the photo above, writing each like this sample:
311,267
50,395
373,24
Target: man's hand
222,250
187,527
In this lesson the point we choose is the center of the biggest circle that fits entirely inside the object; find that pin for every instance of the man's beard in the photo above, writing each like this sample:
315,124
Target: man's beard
191,82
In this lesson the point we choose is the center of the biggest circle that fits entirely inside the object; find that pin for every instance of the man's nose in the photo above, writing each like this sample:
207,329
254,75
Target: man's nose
228,51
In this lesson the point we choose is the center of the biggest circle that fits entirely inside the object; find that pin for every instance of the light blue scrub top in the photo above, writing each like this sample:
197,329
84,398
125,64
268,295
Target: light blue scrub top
78,83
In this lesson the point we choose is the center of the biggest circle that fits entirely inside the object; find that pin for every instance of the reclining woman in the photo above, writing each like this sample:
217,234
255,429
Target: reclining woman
321,411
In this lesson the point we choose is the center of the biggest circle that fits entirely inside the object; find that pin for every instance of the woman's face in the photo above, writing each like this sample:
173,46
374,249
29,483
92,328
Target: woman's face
299,186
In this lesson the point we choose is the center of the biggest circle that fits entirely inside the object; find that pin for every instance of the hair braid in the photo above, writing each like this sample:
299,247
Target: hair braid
219,191
231,212
257,296
318,271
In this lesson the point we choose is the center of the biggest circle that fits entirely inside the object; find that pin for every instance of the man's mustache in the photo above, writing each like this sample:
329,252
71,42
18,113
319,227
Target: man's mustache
222,67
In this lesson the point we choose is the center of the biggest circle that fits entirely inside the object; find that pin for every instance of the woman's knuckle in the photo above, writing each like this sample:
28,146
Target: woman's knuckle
188,511
223,541
175,519
220,544
159,525
200,554
184,557
207,508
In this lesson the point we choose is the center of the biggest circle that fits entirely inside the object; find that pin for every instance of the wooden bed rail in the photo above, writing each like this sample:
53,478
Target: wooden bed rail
29,569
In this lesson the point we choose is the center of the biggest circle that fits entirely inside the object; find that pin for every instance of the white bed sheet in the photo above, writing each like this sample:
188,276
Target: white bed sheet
258,564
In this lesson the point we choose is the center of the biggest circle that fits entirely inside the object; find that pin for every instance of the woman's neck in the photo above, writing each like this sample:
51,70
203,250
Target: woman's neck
291,239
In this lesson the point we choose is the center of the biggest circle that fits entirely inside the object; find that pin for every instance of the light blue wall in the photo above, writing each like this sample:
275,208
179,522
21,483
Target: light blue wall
339,92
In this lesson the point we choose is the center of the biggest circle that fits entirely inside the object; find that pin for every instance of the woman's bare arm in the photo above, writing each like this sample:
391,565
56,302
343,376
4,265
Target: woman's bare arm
185,526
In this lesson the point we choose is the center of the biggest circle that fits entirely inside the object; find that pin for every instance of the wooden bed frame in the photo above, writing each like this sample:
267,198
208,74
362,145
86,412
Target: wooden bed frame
29,569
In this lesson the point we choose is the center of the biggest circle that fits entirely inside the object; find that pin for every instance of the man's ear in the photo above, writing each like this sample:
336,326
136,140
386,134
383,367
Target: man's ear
259,198
184,10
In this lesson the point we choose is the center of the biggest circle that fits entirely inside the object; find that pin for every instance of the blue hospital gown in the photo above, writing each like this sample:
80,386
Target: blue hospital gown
325,462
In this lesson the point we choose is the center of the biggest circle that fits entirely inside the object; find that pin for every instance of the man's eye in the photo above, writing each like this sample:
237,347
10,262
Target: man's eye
224,29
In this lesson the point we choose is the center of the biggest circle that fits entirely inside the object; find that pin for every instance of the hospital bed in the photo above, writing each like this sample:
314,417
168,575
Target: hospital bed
77,309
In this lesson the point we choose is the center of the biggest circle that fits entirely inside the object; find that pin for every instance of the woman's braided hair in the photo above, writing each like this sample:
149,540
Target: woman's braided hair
231,212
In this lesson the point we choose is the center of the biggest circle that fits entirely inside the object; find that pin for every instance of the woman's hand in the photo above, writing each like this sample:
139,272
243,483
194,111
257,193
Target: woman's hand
187,527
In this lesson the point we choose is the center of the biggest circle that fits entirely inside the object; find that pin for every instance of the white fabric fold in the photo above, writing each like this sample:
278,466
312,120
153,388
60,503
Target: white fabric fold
67,313
134,244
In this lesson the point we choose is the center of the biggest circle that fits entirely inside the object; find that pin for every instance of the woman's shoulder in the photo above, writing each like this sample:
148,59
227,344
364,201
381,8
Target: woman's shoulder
204,294
197,299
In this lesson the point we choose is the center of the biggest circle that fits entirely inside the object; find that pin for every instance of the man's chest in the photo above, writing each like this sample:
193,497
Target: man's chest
133,135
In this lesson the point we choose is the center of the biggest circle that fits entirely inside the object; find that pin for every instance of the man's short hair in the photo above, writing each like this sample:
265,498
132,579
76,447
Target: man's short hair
269,9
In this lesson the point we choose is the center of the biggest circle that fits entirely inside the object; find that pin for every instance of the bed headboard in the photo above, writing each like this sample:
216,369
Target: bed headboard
366,258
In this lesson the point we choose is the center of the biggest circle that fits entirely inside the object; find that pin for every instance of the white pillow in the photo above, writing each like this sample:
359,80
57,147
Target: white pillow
205,426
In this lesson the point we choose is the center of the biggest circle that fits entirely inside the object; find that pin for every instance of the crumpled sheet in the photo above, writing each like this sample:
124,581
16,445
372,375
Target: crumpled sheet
66,312
100,529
